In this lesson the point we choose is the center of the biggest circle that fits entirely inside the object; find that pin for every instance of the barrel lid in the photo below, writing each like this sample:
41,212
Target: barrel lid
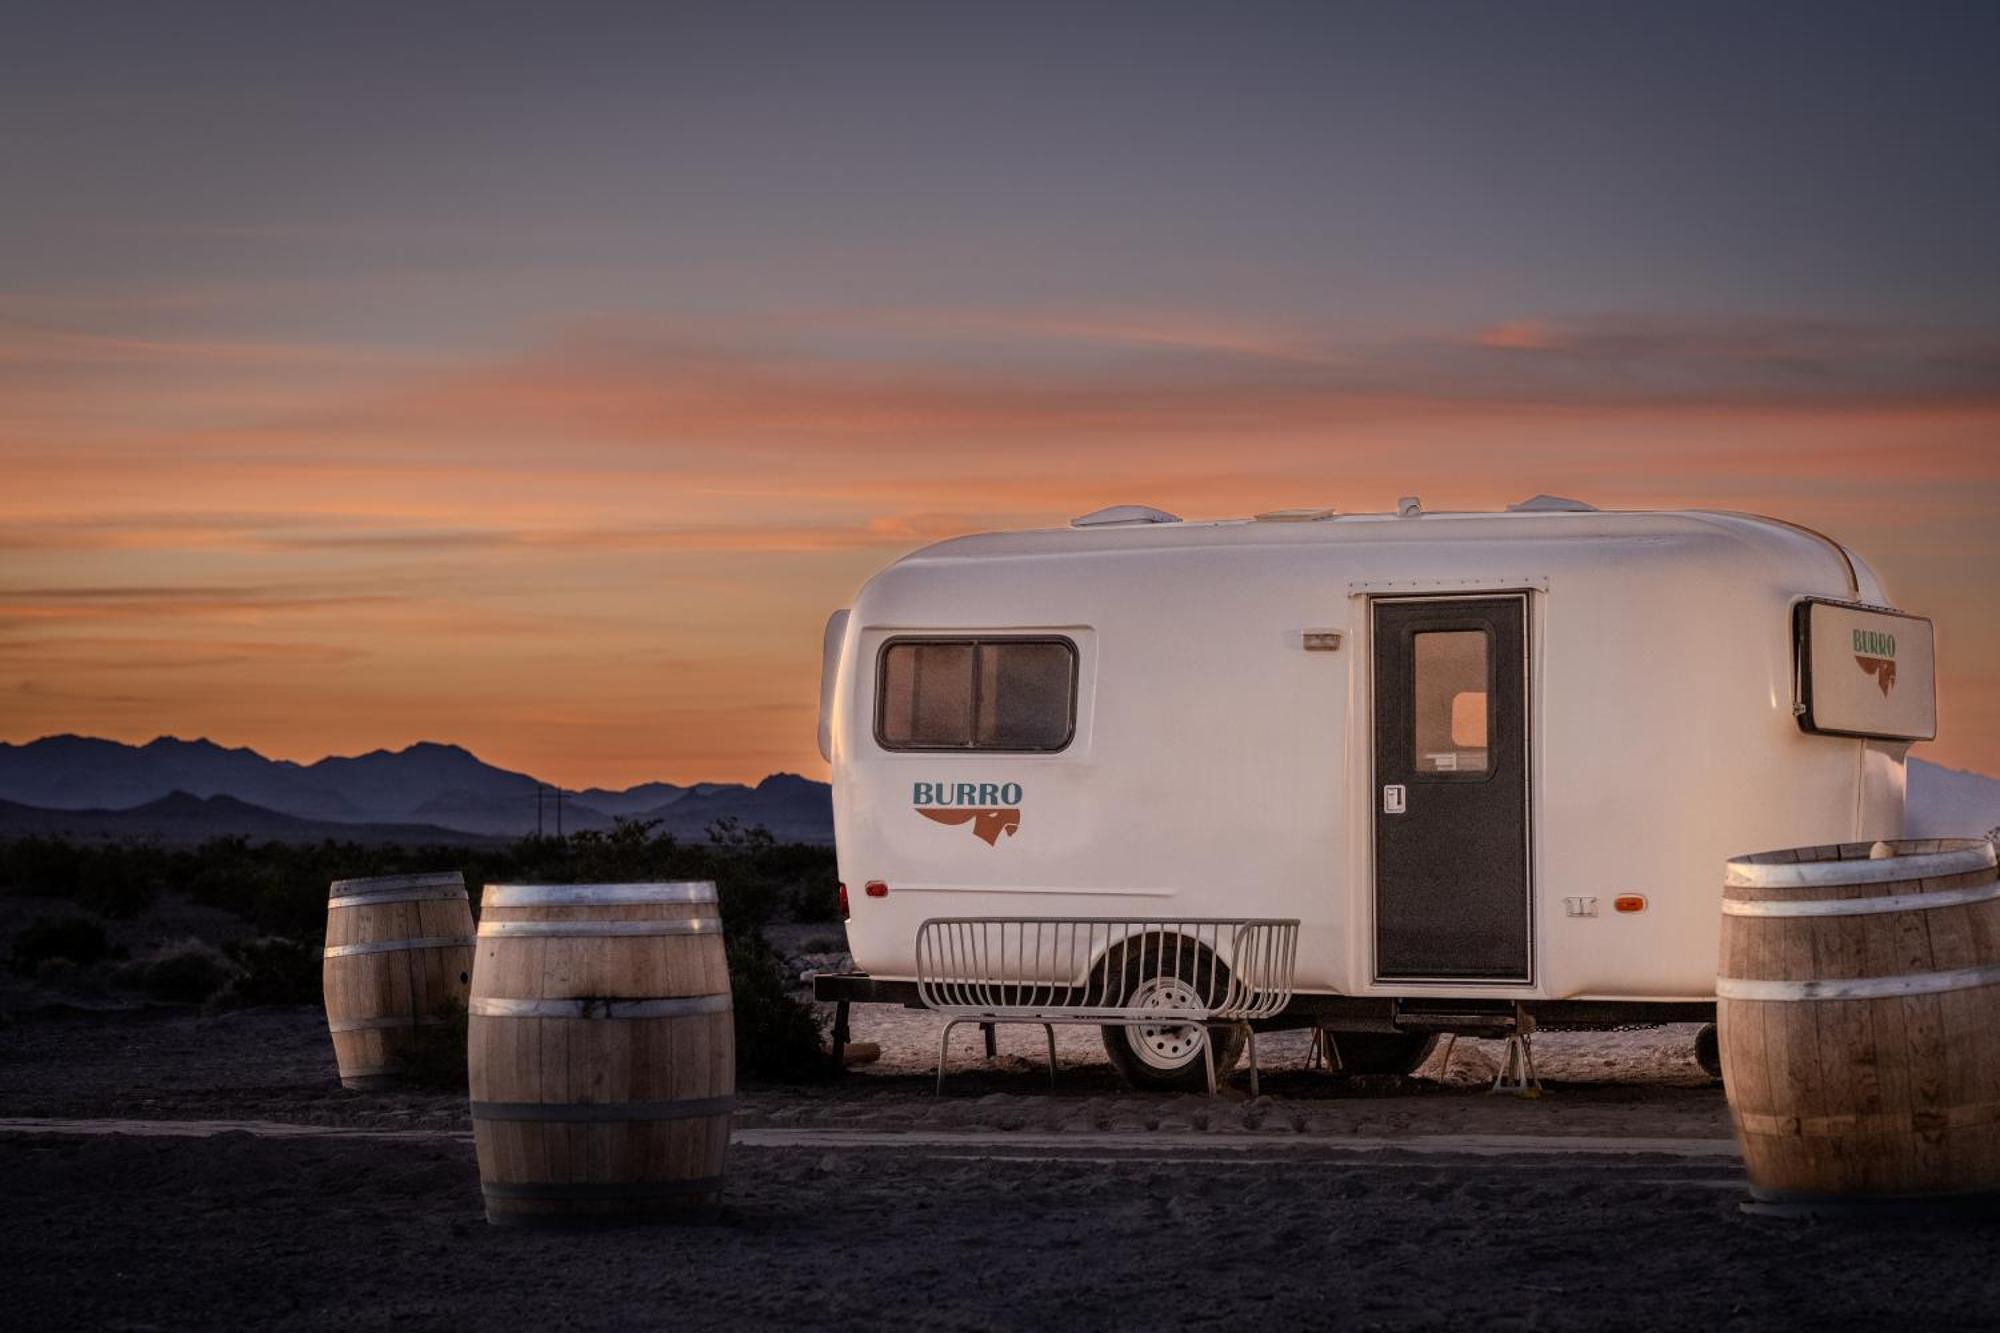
368,888
1837,864
598,895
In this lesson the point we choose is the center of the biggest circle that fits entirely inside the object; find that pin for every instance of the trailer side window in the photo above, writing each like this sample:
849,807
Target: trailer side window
976,694
1452,669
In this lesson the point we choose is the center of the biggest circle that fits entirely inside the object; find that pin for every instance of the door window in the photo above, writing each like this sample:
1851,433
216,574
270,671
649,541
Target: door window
1453,701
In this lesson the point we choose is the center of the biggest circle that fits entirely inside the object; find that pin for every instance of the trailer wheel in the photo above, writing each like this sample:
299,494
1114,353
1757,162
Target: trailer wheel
1708,1050
1383,1052
1168,1056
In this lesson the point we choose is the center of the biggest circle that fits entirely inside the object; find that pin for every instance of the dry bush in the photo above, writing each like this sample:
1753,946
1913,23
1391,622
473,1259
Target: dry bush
78,939
186,972
273,969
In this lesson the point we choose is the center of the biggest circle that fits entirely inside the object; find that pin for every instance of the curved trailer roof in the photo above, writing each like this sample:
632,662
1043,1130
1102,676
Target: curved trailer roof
1562,536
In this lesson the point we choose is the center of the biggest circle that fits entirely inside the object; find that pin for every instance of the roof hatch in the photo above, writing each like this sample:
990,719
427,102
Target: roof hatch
1119,514
1551,504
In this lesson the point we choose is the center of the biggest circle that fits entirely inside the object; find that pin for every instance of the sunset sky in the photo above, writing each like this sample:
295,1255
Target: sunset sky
538,378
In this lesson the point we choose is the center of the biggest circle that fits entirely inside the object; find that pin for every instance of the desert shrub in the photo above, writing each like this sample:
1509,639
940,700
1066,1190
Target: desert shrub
776,1036
281,889
78,938
186,972
117,880
273,969
814,902
43,866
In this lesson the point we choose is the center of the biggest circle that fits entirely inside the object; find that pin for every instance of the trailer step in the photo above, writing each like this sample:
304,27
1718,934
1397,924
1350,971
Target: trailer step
1468,1022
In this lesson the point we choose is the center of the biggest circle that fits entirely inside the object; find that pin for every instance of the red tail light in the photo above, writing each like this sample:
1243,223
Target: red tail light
845,911
877,889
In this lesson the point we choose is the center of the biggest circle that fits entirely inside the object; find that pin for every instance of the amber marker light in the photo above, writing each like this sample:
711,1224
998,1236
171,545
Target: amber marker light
1629,902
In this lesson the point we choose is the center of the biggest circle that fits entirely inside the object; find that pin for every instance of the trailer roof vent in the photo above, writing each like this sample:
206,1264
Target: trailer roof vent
1117,514
1551,504
1294,515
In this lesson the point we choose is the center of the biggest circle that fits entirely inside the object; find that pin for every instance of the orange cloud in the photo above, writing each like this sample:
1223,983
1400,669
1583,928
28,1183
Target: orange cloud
608,558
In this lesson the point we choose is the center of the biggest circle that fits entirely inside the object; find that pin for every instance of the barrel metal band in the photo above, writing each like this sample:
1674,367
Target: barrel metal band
1860,988
597,895
377,1024
396,946
363,888
604,1112
685,1006
695,925
601,1190
1884,1122
1894,902
404,896
1976,856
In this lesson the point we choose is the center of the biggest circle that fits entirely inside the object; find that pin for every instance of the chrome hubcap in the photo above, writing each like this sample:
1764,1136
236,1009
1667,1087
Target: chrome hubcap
1165,1046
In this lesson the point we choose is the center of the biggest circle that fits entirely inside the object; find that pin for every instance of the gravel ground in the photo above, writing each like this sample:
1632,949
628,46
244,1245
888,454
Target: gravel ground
237,1232
1000,1205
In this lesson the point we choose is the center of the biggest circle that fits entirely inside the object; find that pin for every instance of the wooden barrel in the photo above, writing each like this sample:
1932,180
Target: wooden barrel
1859,1005
602,1052
398,960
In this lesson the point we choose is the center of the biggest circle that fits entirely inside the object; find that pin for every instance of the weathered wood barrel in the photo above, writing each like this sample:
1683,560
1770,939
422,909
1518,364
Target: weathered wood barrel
602,1052
1859,1005
398,959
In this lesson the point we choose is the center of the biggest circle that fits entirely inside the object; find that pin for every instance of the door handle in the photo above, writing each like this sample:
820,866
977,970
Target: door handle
1394,801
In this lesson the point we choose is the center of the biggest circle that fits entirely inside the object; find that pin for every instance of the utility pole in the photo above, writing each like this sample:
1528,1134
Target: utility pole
559,831
538,809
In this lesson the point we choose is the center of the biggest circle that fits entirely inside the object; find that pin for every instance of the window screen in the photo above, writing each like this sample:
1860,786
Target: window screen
1453,705
976,694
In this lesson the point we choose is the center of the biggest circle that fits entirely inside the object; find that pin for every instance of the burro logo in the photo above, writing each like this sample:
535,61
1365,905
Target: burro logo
1875,653
992,808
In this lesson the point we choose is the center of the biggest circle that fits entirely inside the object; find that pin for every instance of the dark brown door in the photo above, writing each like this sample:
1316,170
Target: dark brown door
1451,789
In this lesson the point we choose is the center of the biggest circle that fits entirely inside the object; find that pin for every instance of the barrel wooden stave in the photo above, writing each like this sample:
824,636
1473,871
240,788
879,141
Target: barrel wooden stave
675,1071
1886,1097
380,1003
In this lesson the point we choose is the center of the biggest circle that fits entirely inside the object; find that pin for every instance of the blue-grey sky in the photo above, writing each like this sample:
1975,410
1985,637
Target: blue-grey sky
1408,164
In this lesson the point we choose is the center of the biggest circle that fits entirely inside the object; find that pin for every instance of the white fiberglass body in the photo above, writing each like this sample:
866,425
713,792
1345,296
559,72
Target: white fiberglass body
1222,759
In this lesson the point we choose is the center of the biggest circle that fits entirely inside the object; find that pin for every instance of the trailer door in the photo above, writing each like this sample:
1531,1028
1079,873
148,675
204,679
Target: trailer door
1451,789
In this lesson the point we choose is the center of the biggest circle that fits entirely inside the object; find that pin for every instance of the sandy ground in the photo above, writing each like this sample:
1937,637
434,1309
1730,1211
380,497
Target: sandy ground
870,1203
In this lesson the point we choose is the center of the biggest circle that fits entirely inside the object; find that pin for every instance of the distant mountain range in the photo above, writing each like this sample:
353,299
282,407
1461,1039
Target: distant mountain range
181,818
180,790
427,791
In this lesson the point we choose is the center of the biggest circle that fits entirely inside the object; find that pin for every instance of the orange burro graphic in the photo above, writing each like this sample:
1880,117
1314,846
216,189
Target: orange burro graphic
1882,668
988,822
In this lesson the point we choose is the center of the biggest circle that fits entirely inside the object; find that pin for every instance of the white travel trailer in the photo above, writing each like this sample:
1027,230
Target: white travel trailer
1492,762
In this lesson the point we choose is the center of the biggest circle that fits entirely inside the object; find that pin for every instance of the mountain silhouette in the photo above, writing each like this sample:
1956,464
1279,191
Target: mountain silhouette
428,791
445,787
181,817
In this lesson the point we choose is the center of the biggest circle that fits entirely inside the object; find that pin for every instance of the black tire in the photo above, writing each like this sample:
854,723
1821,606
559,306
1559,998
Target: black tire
1167,1058
1382,1052
1708,1050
